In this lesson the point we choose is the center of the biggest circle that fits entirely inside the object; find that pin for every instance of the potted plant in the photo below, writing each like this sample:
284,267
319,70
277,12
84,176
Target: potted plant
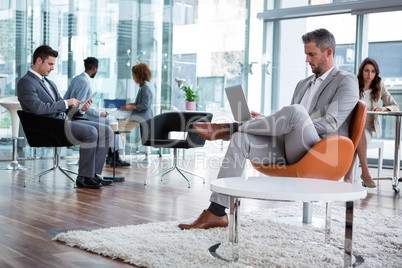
191,97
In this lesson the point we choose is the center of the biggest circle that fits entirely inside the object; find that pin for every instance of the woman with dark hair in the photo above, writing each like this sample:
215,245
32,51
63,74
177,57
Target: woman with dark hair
141,109
372,92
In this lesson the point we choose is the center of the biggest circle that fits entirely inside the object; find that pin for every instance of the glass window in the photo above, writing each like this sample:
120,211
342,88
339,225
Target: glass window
385,46
288,58
211,53
210,48
301,3
185,12
119,33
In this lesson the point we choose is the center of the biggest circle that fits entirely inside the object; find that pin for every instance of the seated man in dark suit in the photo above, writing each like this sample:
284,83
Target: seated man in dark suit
39,95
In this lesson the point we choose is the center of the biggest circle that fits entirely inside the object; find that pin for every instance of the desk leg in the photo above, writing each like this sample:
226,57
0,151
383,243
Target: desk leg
232,245
348,234
234,226
328,223
397,153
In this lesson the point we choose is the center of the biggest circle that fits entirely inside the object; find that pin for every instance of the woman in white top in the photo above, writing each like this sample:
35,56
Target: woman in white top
372,92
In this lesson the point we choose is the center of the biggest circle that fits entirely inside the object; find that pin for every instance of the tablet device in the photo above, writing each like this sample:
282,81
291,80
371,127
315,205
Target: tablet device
82,104
238,103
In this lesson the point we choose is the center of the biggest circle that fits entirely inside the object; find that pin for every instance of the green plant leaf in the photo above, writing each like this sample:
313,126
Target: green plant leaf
190,95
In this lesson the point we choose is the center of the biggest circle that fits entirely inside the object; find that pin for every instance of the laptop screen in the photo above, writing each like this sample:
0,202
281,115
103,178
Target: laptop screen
114,103
238,103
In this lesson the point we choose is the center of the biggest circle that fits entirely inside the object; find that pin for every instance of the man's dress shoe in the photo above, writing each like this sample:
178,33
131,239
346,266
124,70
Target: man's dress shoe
86,182
109,159
99,179
206,220
120,163
216,131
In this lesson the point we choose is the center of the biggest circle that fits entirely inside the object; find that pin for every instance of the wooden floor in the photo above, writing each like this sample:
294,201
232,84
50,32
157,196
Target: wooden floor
31,216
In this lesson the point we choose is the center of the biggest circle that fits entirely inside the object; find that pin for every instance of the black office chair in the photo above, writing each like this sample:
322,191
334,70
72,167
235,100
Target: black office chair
155,132
42,131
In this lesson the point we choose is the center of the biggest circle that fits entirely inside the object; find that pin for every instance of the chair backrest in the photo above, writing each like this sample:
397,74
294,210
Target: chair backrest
357,122
155,131
43,131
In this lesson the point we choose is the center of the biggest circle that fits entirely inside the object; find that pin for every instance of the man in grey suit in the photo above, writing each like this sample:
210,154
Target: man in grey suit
39,95
321,106
80,88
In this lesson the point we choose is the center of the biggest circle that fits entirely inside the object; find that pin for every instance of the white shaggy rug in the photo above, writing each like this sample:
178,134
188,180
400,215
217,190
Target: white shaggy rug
262,242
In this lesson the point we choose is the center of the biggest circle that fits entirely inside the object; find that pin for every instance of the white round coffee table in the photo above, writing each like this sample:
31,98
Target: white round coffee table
289,189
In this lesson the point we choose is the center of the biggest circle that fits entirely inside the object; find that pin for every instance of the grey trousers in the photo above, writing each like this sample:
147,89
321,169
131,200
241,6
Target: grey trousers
107,121
94,139
282,138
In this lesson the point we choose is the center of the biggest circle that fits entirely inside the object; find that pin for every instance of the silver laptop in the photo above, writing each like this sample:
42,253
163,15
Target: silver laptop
238,103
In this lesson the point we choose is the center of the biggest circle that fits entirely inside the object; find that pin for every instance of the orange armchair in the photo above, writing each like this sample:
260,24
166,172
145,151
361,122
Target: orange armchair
329,159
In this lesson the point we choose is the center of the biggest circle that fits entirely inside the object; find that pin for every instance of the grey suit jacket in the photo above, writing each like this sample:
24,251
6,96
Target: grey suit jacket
333,103
35,98
143,102
80,89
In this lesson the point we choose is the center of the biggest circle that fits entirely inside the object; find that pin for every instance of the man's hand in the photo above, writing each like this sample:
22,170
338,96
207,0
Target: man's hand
380,109
87,106
72,102
103,114
256,115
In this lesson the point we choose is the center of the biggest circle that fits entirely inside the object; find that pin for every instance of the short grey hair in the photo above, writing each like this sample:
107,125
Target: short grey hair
322,38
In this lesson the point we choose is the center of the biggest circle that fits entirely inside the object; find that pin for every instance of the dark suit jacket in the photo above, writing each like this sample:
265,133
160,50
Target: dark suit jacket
35,98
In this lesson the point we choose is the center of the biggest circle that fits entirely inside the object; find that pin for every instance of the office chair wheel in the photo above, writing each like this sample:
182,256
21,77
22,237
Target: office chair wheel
396,190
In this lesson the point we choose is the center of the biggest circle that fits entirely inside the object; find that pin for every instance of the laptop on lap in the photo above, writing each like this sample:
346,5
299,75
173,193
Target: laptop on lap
238,103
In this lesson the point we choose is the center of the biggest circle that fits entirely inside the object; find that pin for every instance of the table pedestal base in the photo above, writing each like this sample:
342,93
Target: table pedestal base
234,232
297,221
115,178
357,260
14,165
234,252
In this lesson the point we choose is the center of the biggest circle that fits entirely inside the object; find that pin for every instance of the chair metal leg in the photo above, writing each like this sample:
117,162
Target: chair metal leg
73,163
184,176
64,170
163,172
192,173
174,166
56,164
380,160
39,175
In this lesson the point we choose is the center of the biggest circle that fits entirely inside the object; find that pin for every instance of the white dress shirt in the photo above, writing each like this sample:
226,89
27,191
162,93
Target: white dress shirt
48,86
312,90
